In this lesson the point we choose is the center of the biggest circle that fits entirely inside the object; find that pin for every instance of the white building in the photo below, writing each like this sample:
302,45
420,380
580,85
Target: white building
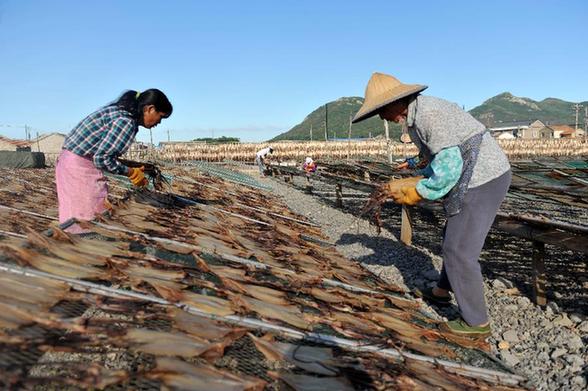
50,144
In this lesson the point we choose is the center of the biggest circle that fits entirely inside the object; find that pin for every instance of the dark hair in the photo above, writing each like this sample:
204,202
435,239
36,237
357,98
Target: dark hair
133,102
271,150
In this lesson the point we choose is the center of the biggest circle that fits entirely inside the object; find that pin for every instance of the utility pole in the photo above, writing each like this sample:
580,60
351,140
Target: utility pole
585,121
168,140
388,142
326,122
151,146
310,132
349,139
577,107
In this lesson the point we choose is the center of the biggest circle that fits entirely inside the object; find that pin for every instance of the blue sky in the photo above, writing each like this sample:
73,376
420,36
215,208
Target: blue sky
253,69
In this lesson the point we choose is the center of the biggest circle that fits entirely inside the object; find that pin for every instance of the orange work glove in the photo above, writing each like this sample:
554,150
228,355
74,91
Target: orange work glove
137,176
407,196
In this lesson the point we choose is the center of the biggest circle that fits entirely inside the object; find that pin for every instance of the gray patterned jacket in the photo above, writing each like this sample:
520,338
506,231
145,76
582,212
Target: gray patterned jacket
435,124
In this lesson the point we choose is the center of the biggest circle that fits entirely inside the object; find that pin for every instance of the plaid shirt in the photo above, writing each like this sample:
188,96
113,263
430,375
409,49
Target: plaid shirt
104,136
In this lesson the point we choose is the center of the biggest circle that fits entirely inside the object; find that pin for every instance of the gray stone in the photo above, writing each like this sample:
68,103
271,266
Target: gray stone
525,335
511,307
574,360
557,295
543,357
553,307
497,284
578,381
558,353
542,346
576,318
509,358
523,301
575,342
583,327
507,283
563,320
431,275
510,336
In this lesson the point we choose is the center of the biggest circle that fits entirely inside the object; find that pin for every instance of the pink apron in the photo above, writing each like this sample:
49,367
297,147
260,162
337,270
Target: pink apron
81,189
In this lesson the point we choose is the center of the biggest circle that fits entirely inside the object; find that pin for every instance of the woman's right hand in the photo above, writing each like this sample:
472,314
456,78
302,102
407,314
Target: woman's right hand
137,176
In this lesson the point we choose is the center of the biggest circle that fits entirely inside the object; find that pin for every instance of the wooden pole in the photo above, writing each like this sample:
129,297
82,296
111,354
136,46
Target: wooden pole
339,195
308,185
388,142
349,139
326,122
405,226
539,272
151,146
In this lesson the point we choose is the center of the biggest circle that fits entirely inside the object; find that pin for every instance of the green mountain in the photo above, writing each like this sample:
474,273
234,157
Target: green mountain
503,108
506,107
337,114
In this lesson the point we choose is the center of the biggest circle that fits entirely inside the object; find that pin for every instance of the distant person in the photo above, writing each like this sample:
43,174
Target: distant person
309,165
467,170
95,144
260,159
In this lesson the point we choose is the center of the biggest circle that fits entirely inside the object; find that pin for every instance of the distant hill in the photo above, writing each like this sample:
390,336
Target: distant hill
339,112
503,108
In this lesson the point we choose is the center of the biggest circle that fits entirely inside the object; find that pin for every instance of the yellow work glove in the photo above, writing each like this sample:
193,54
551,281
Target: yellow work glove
400,190
137,176
395,185
407,196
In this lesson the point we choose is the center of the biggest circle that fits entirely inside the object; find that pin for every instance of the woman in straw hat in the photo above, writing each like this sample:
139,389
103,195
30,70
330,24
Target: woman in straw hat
467,171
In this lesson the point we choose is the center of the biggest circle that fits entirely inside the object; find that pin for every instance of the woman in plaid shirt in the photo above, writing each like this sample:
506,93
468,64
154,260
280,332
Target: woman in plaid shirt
95,145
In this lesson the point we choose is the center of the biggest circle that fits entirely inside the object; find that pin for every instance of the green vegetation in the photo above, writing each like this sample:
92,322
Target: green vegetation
505,107
502,108
339,113
218,140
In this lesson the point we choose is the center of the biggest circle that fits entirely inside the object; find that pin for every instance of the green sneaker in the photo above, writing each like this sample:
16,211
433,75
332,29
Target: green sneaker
428,295
459,326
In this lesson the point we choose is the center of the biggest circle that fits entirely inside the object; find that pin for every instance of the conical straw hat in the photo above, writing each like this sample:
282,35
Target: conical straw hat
381,90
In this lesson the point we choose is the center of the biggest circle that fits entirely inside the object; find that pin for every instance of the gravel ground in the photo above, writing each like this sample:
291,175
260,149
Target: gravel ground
547,345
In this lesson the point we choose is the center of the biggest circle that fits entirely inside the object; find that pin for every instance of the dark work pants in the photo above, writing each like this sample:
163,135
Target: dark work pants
463,240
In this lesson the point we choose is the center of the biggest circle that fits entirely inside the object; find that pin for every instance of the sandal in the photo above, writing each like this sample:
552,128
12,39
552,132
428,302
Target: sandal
427,294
